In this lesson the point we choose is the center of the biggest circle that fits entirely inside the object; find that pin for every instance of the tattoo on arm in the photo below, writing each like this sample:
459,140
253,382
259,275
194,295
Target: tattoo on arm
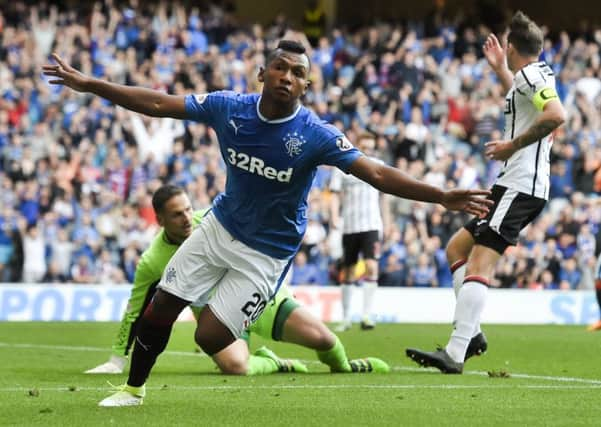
537,131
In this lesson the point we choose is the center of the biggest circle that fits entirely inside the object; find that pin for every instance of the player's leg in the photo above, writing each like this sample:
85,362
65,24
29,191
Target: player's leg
347,290
239,299
153,334
492,235
231,355
471,300
349,261
370,286
152,337
370,249
468,309
458,250
236,360
302,328
189,276
471,294
140,297
233,360
285,320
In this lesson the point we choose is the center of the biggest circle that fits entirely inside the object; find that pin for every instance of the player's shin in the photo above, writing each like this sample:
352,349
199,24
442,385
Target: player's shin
458,272
335,357
370,285
470,303
347,296
150,341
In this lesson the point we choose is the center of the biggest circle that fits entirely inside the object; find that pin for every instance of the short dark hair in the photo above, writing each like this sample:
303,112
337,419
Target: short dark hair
525,35
287,46
163,195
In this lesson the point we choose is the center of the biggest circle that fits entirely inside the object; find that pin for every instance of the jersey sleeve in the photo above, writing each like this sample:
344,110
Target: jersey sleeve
337,150
206,107
535,83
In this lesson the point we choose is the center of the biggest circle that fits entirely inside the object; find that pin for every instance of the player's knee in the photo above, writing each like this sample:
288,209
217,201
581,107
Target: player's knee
164,308
323,338
232,365
204,342
212,343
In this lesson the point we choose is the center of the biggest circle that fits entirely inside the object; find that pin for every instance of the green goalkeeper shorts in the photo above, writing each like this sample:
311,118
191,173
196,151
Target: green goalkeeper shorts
270,325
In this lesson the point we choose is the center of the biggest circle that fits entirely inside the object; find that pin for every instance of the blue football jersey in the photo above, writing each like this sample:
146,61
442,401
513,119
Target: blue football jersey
270,167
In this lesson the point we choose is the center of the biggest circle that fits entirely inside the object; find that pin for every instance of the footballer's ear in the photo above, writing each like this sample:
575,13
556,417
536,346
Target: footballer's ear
307,86
261,75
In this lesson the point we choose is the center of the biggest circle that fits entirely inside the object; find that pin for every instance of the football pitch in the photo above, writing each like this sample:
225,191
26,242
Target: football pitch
531,376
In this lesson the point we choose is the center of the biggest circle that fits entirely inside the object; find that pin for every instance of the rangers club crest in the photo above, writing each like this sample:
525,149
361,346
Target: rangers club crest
293,143
170,275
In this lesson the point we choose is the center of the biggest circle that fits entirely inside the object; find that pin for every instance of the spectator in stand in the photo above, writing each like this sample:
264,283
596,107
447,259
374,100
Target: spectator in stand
570,275
34,249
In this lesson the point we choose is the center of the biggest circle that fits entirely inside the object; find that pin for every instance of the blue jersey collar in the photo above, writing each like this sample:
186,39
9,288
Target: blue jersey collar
282,120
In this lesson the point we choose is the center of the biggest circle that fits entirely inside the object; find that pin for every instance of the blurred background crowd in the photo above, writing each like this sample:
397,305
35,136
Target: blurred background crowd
77,174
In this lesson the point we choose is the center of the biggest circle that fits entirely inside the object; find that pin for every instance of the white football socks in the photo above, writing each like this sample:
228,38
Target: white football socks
470,303
347,296
458,270
369,291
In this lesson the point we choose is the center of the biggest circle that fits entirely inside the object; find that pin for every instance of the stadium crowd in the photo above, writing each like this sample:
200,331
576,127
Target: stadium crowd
77,174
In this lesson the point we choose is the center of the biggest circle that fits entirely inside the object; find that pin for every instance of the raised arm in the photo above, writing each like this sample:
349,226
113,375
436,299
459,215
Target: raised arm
138,99
393,181
496,56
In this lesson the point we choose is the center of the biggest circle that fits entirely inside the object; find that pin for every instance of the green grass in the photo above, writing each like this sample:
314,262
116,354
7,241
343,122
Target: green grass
555,380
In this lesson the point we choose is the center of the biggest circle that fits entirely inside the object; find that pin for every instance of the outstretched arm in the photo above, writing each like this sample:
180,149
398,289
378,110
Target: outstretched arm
140,100
496,56
393,181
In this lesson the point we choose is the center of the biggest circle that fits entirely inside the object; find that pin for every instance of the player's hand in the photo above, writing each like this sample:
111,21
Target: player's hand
470,201
499,150
494,52
66,75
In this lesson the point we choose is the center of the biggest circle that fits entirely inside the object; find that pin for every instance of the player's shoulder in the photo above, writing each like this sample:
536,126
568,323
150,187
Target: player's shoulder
319,128
534,75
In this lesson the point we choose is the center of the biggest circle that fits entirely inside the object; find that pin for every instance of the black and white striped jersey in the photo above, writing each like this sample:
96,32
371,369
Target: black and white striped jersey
527,171
359,201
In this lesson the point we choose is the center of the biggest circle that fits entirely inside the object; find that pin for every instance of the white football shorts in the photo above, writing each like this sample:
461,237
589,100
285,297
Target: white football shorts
212,268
